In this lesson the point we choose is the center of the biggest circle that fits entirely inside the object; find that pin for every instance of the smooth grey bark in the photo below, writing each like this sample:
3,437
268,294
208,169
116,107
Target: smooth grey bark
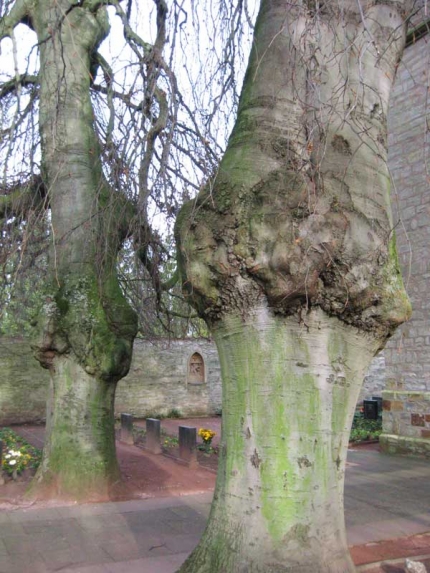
289,255
86,327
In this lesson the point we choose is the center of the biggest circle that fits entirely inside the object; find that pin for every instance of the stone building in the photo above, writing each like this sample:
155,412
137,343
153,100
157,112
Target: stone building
406,416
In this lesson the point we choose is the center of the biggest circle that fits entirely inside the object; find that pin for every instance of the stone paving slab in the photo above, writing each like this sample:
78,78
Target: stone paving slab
109,537
168,564
385,498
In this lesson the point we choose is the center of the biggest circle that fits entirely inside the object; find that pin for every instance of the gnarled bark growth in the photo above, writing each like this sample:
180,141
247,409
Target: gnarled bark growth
290,257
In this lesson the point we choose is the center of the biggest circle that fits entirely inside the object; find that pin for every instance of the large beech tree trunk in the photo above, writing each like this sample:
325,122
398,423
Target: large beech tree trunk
86,328
289,255
289,395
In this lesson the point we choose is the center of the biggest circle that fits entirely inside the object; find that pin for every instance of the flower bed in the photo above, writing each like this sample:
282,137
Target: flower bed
363,430
18,454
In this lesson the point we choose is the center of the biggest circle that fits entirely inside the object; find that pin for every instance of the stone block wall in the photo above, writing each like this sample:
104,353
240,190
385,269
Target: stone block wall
406,422
159,381
374,381
23,384
408,353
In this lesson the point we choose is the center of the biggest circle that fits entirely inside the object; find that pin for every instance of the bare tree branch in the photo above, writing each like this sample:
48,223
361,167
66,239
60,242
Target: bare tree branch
16,16
18,200
22,80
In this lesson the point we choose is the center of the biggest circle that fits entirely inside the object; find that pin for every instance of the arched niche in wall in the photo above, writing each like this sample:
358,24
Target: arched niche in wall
196,369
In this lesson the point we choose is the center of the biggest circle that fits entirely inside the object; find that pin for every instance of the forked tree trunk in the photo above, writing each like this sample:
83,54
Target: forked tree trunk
86,327
290,257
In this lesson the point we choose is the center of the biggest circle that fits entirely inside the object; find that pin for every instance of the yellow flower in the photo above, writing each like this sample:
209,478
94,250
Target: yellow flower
206,435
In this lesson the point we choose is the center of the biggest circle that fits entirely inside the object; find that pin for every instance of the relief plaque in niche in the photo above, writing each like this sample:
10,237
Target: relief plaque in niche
196,369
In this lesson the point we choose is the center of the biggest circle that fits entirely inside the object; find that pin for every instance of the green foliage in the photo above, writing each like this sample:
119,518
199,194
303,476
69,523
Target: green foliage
23,254
363,429
174,413
18,454
169,441
155,415
208,449
138,433
23,288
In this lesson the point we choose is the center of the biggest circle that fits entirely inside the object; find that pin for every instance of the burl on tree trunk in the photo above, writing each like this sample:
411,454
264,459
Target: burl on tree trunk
289,255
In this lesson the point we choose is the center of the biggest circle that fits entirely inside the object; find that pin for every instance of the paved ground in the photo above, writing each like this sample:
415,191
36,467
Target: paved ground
386,498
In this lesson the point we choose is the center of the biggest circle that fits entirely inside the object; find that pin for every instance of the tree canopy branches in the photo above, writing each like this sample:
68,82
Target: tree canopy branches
161,118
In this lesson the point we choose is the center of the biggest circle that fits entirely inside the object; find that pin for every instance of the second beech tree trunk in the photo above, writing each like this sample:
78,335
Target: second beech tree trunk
289,255
86,328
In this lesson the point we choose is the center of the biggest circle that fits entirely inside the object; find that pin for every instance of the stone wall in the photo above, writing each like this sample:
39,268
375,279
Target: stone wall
159,381
406,422
23,384
374,381
408,353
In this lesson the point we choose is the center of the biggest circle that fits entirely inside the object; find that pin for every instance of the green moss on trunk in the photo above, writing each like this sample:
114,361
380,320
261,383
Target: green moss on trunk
289,394
86,327
288,260
79,458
